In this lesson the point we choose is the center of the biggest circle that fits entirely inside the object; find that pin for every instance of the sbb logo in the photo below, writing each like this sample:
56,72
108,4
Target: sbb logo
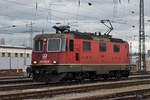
44,56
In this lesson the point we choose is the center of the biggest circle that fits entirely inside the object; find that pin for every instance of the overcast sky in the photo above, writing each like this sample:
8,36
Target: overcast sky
82,16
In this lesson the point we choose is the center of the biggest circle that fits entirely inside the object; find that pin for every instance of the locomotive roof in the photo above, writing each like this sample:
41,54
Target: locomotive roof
80,36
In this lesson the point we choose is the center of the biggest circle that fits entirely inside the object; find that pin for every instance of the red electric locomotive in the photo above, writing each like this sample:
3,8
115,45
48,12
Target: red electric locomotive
71,55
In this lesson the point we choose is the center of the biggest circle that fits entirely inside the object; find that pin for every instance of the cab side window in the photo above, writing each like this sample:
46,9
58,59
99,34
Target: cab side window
86,46
71,45
102,47
116,48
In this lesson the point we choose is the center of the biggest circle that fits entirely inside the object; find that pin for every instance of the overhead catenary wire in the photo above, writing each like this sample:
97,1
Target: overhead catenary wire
36,9
79,1
115,8
72,14
43,9
63,12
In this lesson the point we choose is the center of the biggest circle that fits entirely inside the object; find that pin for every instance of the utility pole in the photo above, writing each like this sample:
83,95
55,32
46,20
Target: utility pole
131,53
141,62
25,46
31,33
50,11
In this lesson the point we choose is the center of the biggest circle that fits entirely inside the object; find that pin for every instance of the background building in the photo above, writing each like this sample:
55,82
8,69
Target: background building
14,57
2,41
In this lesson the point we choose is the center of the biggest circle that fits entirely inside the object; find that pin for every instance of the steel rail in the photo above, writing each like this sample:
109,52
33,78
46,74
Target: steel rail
130,95
28,84
37,93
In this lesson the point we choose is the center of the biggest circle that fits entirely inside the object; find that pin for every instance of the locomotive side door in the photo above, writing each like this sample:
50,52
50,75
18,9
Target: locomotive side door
71,51
77,51
74,56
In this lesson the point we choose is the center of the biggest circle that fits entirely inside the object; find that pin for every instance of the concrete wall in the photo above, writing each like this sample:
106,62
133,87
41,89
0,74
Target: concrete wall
148,64
14,57
14,62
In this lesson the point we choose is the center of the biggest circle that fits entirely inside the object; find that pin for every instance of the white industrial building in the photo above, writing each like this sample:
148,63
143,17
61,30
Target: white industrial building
14,57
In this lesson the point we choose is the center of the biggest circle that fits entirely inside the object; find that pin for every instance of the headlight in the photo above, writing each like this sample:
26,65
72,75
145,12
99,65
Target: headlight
54,62
34,62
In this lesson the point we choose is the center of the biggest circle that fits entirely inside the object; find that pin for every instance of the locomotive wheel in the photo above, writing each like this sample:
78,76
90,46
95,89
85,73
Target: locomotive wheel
68,77
118,75
105,76
79,76
126,74
34,77
92,77
29,75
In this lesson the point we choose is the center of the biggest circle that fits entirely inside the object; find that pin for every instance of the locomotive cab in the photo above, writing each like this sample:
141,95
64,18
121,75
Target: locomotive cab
46,48
47,53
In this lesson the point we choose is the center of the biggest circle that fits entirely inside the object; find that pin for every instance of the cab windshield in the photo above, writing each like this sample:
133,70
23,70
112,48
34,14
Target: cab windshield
38,45
56,45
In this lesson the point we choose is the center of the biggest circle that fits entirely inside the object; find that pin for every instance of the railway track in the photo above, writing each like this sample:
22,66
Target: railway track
21,84
144,94
11,77
52,91
14,80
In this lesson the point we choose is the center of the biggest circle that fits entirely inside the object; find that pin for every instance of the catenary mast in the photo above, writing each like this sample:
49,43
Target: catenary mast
141,62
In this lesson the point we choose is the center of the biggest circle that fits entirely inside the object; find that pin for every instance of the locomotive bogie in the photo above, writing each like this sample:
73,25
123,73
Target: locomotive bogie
77,72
